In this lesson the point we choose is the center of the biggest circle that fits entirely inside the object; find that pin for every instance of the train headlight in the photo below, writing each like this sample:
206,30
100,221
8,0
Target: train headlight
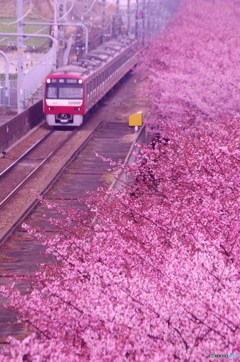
80,81
48,80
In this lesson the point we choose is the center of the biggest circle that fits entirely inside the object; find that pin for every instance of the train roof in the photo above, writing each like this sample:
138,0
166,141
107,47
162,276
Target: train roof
95,58
69,69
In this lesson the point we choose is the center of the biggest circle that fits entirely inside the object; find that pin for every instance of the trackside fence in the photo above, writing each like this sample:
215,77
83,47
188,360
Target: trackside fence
32,83
34,78
8,97
19,125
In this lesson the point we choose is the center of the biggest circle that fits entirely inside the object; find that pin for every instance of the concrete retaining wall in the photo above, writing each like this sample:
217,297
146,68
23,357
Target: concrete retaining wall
121,179
19,125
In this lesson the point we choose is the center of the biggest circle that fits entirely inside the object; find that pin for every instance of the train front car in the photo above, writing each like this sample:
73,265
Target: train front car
64,100
72,90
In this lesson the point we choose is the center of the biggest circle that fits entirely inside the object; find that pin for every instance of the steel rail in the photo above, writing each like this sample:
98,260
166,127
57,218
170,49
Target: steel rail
10,167
34,171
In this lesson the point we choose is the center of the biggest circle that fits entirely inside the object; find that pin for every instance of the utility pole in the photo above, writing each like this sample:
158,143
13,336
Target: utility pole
143,22
103,19
117,21
128,17
85,9
20,57
60,12
136,20
158,18
153,15
148,19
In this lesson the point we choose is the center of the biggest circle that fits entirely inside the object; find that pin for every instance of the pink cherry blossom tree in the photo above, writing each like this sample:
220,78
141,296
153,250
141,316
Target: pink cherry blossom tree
193,66
151,272
156,277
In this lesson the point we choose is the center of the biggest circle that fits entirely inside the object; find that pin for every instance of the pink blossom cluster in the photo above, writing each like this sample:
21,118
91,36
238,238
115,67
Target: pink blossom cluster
156,275
194,64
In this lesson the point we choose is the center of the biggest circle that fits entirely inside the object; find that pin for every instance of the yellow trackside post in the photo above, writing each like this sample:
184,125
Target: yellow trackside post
136,120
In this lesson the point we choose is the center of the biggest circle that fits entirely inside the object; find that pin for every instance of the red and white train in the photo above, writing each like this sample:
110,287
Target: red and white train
74,89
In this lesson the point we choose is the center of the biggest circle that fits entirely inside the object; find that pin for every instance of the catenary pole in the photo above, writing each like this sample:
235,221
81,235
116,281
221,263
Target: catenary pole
128,17
117,21
136,19
103,19
20,57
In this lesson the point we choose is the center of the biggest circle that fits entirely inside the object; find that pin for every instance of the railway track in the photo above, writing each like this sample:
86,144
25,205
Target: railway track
20,171
26,166
32,173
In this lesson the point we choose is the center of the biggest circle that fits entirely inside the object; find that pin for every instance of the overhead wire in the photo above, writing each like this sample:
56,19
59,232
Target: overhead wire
89,9
24,16
65,15
61,18
31,9
42,17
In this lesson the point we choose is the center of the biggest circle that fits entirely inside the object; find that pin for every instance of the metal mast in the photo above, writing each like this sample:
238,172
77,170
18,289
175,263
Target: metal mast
117,22
103,19
20,57
60,12
143,22
136,20
128,16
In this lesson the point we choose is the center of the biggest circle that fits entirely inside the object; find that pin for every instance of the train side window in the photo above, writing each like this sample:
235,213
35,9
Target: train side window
88,88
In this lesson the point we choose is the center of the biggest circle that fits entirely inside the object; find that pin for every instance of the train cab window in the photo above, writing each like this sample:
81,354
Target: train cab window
70,88
67,91
64,88
52,91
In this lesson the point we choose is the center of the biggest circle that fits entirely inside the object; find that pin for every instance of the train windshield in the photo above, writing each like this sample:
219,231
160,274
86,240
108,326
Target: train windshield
64,88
